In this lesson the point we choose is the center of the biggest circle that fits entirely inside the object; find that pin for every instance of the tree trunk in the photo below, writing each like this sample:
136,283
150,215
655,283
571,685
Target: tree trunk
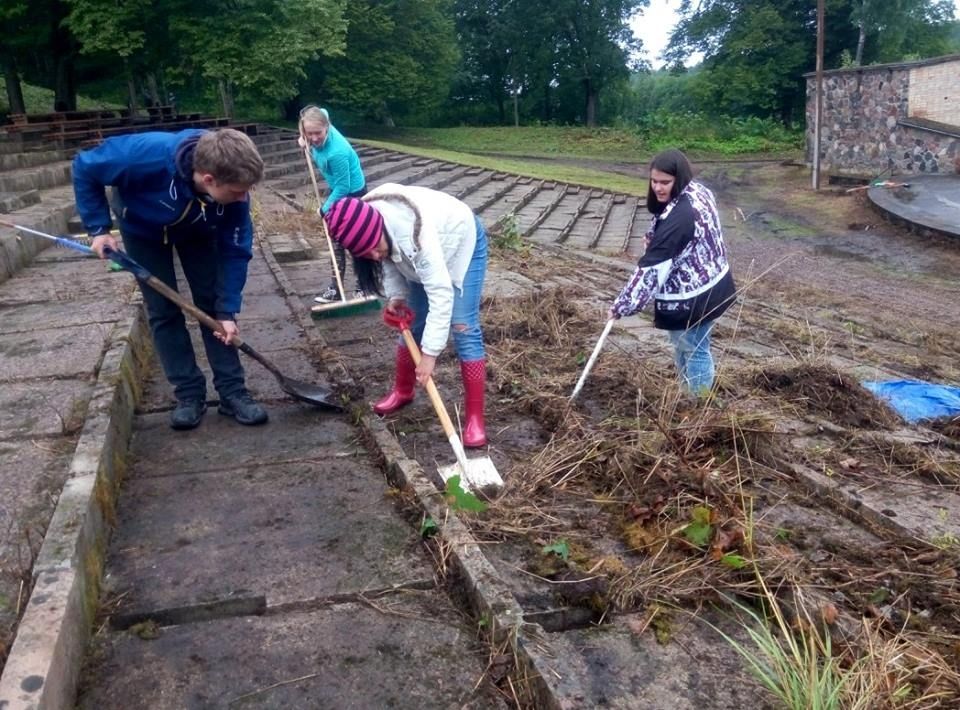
591,107
65,87
14,87
547,111
290,108
153,89
516,109
861,40
131,88
64,50
226,97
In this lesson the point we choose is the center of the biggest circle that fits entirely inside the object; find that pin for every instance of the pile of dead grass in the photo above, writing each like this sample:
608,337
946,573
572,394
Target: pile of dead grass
824,391
634,462
948,426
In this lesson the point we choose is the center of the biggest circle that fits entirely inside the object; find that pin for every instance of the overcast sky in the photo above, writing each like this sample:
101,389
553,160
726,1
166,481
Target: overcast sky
656,22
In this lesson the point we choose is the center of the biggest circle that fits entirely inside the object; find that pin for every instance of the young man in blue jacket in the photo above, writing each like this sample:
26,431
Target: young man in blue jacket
189,192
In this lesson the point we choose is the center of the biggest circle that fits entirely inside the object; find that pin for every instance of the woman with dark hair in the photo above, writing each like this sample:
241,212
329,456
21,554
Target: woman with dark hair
684,268
426,249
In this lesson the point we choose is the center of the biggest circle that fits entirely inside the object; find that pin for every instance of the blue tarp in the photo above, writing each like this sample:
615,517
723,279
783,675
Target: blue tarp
914,400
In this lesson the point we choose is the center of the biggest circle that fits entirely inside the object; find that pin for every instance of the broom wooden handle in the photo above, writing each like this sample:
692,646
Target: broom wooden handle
323,221
438,405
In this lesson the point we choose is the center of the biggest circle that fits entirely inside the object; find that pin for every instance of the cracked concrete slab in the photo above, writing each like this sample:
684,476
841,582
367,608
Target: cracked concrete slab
400,651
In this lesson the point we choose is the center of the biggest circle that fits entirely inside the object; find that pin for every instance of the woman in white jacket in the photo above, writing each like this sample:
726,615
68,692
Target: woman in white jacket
427,250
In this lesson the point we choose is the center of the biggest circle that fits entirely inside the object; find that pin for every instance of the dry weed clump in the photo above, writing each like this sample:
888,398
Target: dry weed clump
635,462
948,426
875,455
821,390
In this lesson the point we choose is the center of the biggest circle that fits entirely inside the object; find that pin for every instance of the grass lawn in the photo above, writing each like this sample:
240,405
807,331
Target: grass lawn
561,172
527,141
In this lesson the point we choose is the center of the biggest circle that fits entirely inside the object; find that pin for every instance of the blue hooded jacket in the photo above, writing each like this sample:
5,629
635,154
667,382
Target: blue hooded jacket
154,198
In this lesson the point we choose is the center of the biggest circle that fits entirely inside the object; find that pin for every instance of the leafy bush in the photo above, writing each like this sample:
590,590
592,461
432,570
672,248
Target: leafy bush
698,132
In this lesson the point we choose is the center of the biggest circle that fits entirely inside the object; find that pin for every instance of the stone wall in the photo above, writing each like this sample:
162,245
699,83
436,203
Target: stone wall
891,118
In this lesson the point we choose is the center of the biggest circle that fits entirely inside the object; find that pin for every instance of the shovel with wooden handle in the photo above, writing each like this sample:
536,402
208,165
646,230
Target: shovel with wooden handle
477,474
303,391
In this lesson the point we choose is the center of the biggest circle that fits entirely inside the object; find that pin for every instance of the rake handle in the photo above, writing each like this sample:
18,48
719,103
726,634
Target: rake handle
593,358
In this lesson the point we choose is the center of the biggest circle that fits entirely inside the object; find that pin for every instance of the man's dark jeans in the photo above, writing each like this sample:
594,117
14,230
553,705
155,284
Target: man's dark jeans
199,261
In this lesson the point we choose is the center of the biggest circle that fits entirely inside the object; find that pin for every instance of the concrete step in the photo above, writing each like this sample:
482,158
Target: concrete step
51,175
50,216
13,202
276,144
19,161
275,170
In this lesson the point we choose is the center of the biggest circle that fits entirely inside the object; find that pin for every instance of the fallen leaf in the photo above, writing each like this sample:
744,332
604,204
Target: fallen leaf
724,541
829,614
851,464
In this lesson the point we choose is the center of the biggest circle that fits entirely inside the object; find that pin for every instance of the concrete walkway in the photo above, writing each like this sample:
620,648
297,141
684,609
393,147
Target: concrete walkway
248,567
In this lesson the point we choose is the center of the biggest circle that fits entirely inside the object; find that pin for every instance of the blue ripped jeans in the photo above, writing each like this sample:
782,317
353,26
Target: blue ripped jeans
693,358
468,340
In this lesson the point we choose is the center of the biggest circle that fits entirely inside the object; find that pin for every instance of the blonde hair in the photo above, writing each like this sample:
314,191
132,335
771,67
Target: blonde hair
314,114
230,156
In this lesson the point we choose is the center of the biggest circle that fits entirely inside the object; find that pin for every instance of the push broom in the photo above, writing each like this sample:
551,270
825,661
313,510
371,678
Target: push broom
342,308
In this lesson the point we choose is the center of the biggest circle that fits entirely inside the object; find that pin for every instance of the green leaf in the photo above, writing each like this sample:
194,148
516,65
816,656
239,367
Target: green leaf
559,548
879,596
460,499
698,533
581,359
429,527
699,530
734,561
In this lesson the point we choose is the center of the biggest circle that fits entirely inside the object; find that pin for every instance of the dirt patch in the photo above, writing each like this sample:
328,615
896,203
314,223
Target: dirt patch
638,498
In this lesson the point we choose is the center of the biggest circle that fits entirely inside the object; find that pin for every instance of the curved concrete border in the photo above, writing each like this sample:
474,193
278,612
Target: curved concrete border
928,205
46,657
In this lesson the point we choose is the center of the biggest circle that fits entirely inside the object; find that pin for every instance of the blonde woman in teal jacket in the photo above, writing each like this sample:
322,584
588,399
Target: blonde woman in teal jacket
337,161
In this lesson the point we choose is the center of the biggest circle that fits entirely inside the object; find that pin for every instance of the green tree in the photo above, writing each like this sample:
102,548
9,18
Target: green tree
594,43
256,46
492,40
400,59
896,29
756,51
112,28
15,27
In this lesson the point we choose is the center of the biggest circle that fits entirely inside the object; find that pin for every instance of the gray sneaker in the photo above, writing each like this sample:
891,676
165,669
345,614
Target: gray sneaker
243,408
187,414
328,296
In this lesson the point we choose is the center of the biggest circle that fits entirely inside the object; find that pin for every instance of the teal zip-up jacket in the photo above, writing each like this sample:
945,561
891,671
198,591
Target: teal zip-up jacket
154,198
339,164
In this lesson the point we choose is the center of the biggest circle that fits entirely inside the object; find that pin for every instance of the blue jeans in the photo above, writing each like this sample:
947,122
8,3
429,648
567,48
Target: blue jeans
693,358
468,338
199,260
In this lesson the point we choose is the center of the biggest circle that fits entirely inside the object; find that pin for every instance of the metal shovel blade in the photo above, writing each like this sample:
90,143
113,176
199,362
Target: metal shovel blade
481,475
311,394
